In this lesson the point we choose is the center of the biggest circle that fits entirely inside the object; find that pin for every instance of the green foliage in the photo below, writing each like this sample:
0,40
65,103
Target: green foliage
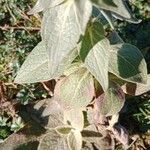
76,50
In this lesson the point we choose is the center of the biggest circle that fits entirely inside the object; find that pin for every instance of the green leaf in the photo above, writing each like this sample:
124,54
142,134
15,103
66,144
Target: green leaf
136,89
76,90
42,5
61,29
118,8
63,129
75,140
97,61
53,141
111,102
74,118
35,67
128,63
94,33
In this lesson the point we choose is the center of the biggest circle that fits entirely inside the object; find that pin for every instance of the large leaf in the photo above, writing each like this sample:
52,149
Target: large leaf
128,63
75,140
137,88
111,102
97,60
42,5
76,90
61,30
35,67
53,141
118,8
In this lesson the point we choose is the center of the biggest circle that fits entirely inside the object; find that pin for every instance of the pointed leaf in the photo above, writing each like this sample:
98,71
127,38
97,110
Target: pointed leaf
61,30
35,67
53,141
128,63
118,8
75,140
76,90
97,62
111,102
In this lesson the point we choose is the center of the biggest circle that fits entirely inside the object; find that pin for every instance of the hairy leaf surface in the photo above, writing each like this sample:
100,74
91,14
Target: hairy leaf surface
61,30
76,90
75,140
35,67
111,102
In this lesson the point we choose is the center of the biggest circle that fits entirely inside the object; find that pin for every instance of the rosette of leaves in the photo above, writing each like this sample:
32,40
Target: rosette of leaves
90,67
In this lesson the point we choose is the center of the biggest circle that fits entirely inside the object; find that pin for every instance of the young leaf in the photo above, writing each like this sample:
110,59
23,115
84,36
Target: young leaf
63,129
53,141
35,67
76,90
118,8
61,30
128,63
111,102
137,88
42,5
75,140
97,61
74,118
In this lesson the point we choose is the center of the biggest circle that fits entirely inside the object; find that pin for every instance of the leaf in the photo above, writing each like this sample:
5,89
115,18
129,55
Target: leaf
94,33
136,89
61,29
97,62
76,90
111,102
53,114
63,129
121,11
53,141
74,118
75,140
128,63
35,67
42,5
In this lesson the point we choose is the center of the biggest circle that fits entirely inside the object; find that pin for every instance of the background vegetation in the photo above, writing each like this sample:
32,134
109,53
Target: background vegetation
19,33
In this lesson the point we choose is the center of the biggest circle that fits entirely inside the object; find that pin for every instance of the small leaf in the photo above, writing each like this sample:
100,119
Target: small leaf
76,90
74,118
75,140
35,67
111,102
136,89
63,129
128,63
61,29
53,141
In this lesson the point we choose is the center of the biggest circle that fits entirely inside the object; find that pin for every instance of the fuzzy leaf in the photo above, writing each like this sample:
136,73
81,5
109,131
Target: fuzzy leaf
61,30
97,61
53,141
74,118
111,102
42,5
136,88
128,63
35,67
75,140
76,90
118,8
